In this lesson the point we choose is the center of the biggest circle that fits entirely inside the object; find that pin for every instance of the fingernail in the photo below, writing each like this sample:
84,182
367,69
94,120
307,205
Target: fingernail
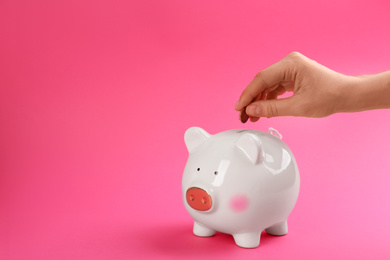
254,111
238,102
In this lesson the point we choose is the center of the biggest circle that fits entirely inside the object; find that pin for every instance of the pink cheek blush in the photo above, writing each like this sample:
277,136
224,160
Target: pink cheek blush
239,203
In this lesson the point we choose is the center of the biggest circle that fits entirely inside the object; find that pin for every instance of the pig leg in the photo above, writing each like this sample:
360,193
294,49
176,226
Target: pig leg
202,231
247,240
278,229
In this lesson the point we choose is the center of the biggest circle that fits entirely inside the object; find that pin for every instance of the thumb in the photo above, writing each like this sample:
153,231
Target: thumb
272,108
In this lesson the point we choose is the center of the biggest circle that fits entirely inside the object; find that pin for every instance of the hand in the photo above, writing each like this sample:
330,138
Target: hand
317,90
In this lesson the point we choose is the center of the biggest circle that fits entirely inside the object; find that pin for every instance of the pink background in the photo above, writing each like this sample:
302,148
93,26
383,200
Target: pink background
95,97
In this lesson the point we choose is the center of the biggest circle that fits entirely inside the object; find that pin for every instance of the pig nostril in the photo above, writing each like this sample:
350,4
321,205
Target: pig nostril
198,199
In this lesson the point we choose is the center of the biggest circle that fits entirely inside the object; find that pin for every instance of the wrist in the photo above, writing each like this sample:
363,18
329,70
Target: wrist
366,92
350,95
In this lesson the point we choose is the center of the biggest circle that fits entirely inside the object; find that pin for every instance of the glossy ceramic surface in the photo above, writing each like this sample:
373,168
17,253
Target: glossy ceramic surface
239,182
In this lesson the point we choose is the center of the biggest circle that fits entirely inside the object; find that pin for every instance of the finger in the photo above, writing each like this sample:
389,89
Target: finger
264,80
254,91
263,96
272,108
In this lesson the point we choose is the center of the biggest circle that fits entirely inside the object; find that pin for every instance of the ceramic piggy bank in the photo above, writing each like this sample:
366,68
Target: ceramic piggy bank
239,182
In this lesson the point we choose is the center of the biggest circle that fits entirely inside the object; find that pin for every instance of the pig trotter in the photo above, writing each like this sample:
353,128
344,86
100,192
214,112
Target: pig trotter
248,240
202,231
278,229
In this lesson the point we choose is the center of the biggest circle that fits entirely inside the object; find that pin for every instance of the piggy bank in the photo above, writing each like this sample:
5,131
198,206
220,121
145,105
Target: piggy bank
239,182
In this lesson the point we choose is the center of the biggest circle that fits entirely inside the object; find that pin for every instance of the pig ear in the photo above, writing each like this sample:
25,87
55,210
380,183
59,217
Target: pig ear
194,137
251,146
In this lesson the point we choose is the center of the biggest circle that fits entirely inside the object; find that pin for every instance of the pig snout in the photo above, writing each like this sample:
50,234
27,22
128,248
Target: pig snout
198,199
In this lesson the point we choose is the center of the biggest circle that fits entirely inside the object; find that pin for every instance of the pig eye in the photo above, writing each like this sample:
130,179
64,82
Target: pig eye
198,169
215,173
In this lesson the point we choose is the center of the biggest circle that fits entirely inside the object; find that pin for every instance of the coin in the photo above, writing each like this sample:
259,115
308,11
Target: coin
243,116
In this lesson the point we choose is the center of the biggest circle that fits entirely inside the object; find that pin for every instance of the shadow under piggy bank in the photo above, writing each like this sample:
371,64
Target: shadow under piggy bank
179,241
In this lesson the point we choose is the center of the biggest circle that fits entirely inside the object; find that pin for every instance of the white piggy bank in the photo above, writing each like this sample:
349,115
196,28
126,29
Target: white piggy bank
239,182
